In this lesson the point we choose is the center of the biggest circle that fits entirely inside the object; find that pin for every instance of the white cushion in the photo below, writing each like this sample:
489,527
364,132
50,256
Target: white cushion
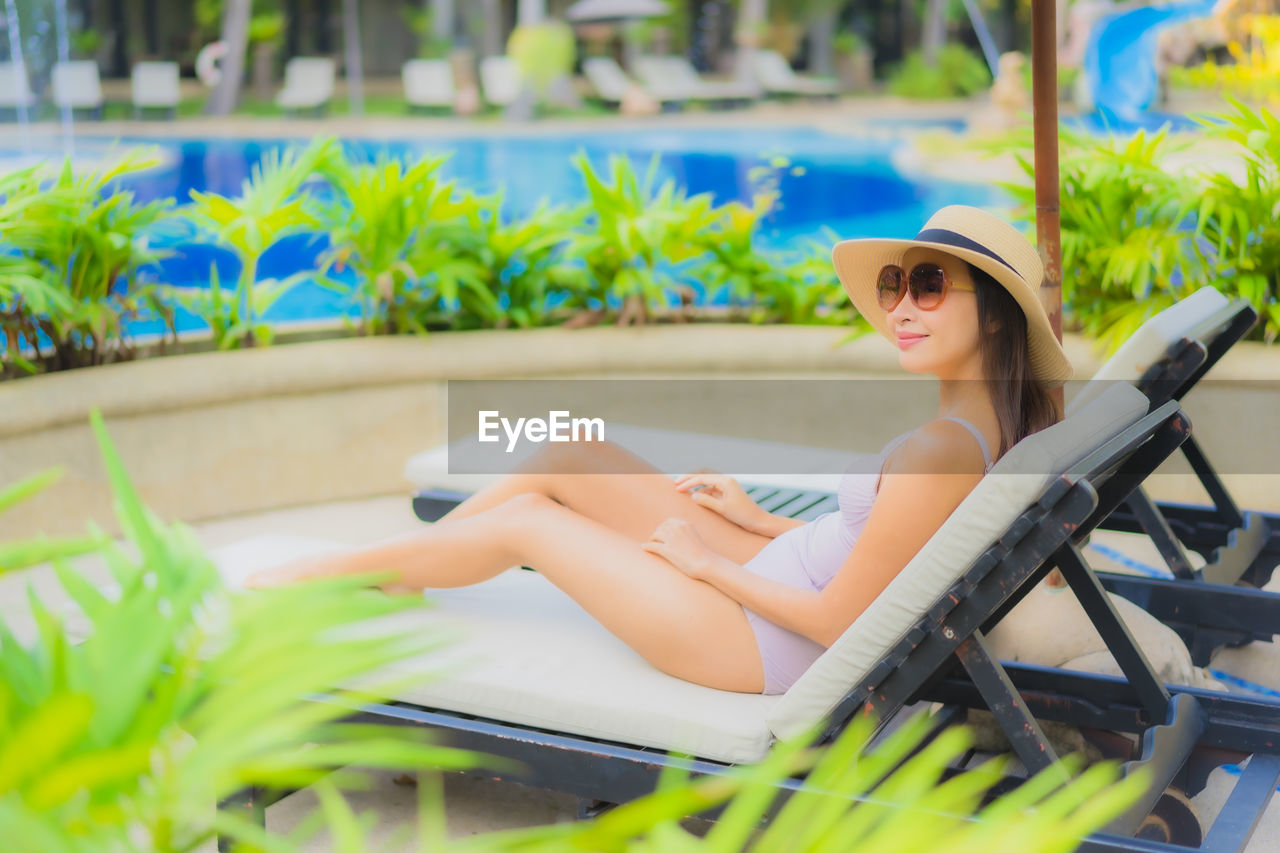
607,78
77,84
428,82
15,90
522,651
1198,314
155,84
501,80
308,82
1015,482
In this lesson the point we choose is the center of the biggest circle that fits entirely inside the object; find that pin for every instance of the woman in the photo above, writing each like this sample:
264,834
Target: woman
693,575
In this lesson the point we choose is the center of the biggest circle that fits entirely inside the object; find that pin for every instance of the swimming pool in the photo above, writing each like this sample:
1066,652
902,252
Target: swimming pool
846,183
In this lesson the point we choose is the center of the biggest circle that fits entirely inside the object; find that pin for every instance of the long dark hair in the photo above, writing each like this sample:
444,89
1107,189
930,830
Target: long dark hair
1023,404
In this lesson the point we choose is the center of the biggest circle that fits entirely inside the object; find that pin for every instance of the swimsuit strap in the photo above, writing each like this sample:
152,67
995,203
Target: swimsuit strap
982,442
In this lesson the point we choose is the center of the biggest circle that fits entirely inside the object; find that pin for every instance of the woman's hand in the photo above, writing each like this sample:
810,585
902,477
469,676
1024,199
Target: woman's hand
722,494
677,541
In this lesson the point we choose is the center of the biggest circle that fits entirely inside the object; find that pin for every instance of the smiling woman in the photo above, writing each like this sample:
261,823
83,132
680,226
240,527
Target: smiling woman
699,580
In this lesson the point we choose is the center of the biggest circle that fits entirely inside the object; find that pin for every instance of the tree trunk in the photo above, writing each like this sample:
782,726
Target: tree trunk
442,15
935,30
531,12
235,33
820,33
355,64
492,43
751,21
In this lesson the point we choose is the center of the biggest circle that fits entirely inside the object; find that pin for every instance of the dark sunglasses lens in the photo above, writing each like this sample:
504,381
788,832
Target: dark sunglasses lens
928,283
889,287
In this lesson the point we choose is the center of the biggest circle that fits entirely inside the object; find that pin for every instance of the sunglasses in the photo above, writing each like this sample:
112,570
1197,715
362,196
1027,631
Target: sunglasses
927,283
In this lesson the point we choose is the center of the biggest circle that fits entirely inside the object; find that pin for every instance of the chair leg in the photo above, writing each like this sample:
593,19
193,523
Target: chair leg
589,808
250,801
1006,704
1115,634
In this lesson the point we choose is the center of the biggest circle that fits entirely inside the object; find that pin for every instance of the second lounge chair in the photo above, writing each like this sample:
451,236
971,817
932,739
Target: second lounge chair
309,83
78,86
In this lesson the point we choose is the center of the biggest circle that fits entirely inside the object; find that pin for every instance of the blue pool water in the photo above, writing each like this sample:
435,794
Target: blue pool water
847,184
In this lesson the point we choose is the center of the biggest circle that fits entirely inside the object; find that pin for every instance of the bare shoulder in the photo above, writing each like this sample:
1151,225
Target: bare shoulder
938,447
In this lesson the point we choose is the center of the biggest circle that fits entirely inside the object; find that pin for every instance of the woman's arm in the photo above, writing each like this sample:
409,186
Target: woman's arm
923,483
774,526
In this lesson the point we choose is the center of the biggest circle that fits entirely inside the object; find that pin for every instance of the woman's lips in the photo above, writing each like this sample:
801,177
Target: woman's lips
905,340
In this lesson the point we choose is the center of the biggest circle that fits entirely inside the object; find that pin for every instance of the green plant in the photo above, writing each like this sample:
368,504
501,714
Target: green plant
1237,214
1255,72
638,235
270,206
958,73
378,226
421,22
233,319
1128,249
86,43
775,287
72,273
848,42
543,52
519,264
266,28
122,726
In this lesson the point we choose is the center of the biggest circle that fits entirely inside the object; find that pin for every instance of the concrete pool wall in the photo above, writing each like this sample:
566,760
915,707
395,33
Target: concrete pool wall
212,435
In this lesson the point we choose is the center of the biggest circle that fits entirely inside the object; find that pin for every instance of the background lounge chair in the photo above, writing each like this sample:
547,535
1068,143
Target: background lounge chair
777,77
610,82
154,85
428,83
15,87
671,78
500,80
308,84
77,86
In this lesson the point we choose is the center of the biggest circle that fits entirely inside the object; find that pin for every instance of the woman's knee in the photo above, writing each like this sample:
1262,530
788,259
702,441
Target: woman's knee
579,457
518,510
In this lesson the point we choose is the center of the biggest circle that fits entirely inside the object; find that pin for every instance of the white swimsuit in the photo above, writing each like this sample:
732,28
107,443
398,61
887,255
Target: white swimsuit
809,556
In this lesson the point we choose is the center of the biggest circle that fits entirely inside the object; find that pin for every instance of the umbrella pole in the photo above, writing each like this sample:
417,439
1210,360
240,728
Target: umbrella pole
1044,99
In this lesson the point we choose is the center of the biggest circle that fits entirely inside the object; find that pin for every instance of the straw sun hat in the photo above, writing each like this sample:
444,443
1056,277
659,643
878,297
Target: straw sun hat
973,235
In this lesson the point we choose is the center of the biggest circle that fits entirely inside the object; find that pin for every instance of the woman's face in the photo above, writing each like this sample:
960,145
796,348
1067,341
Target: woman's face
943,341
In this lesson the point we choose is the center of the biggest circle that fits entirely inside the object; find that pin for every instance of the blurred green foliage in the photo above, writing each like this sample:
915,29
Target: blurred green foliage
1139,233
543,52
269,208
412,252
70,274
127,714
958,73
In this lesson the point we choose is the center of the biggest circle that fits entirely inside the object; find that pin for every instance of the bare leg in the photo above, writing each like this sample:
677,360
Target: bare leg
683,626
607,483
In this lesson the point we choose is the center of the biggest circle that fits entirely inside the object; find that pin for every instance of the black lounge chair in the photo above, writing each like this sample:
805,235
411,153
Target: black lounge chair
923,640
1224,604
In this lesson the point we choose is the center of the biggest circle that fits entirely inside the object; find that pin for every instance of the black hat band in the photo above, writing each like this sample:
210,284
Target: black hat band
959,241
